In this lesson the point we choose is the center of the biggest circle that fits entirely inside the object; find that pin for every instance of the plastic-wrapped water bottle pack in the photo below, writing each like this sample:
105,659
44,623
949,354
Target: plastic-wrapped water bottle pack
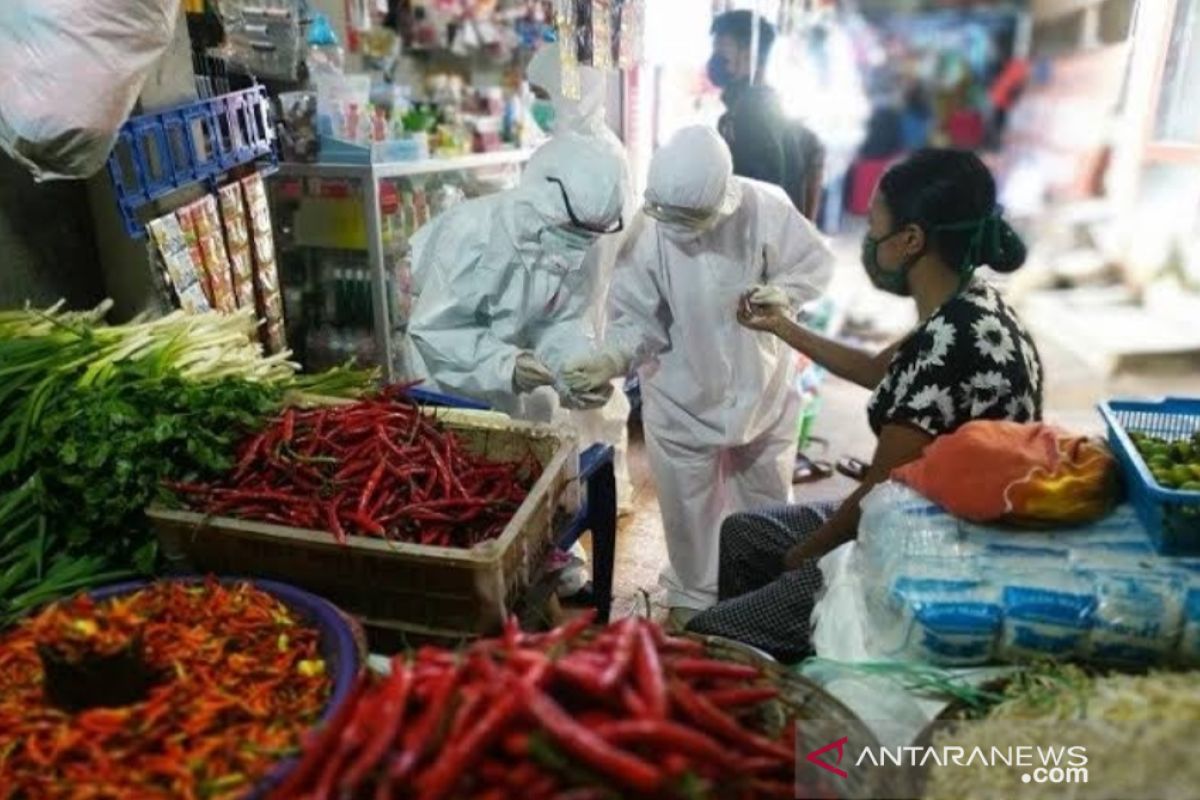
949,592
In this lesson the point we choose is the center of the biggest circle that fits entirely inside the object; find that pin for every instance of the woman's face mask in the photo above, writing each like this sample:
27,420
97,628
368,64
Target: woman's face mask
718,70
892,281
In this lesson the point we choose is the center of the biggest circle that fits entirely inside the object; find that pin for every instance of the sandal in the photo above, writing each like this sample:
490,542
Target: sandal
808,470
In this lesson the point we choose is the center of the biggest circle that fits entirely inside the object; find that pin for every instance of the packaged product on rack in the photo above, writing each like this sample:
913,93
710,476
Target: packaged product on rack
192,242
565,22
266,270
602,40
207,223
183,271
237,244
264,36
630,34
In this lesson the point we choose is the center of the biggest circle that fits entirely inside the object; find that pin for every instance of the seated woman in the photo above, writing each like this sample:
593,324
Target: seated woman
933,221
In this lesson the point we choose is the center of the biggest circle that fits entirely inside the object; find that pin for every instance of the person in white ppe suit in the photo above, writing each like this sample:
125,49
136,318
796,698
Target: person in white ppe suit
501,294
560,115
720,405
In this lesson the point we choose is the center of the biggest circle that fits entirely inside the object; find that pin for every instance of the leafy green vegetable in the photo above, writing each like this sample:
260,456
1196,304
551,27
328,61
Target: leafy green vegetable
94,418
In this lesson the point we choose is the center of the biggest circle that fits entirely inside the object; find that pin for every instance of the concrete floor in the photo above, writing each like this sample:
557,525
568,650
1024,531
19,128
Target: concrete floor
1073,389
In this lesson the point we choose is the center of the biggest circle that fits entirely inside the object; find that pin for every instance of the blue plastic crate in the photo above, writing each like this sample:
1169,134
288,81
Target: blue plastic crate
1171,517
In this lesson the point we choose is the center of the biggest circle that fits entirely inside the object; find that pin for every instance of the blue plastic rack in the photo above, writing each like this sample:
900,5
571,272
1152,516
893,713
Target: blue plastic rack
163,151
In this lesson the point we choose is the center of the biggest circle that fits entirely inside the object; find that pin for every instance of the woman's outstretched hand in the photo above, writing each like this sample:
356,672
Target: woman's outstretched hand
757,315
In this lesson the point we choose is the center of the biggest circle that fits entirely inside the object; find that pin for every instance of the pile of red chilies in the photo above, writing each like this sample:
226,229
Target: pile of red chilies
627,712
379,467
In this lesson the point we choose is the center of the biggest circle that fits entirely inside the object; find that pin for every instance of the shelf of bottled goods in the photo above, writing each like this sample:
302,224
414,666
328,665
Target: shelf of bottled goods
364,196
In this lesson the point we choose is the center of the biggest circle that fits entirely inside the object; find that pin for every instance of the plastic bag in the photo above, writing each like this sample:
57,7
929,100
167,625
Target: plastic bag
69,76
1036,474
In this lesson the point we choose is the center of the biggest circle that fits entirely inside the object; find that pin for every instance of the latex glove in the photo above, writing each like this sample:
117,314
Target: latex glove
768,297
583,401
593,373
764,308
529,374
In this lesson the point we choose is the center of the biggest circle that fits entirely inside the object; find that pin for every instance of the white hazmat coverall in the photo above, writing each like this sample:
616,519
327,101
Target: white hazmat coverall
502,277
720,406
585,116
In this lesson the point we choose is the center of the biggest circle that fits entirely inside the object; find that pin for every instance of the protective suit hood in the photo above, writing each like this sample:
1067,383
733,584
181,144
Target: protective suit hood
583,115
590,174
693,172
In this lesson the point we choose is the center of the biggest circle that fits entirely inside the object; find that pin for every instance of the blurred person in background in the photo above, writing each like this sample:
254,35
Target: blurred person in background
916,119
766,144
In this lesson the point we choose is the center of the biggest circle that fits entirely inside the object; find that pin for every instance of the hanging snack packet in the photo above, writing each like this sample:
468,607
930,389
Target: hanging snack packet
182,270
602,41
212,249
237,244
629,43
564,20
192,242
266,272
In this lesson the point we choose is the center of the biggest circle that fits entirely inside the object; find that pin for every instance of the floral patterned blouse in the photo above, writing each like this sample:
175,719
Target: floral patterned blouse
971,360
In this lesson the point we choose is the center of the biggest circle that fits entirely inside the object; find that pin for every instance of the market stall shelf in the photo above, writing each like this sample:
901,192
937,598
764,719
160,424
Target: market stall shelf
347,225
399,587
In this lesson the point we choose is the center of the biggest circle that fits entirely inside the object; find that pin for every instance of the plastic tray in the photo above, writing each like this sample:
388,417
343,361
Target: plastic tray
445,592
1171,517
339,648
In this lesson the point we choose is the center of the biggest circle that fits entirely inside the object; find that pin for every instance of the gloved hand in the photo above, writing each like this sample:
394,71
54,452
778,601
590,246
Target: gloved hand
591,374
768,297
582,401
764,308
529,374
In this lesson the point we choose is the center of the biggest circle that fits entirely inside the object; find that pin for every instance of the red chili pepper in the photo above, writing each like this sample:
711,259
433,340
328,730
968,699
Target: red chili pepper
248,456
666,736
710,668
372,484
648,672
387,725
516,744
633,703
335,524
711,718
367,524
674,644
627,633
420,736
622,767
289,427
452,764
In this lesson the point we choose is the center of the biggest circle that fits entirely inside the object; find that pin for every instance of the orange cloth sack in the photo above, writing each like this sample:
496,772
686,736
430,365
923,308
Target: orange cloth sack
1026,474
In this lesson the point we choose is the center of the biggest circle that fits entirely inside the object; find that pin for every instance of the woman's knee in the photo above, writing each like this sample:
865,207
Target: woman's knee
738,534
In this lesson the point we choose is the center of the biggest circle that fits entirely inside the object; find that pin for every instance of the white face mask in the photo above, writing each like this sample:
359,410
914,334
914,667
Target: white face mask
568,240
683,233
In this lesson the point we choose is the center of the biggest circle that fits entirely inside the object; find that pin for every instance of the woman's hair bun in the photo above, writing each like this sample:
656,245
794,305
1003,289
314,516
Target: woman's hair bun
1002,249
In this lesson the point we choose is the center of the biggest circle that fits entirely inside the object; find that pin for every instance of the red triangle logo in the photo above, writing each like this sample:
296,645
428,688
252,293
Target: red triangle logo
840,746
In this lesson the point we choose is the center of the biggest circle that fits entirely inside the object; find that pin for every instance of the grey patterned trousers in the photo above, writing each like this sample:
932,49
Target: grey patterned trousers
760,602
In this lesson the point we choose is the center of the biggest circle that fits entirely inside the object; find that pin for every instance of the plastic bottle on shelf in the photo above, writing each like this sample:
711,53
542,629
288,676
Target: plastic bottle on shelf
408,214
420,206
363,133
